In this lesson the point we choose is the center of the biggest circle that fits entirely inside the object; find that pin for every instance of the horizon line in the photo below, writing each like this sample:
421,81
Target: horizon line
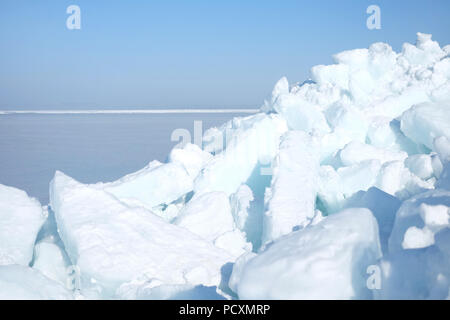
128,111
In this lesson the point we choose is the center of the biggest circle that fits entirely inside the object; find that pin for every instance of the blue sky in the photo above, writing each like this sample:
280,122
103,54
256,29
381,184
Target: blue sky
186,53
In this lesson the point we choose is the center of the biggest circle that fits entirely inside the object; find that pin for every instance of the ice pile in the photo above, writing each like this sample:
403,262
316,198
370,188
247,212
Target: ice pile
338,189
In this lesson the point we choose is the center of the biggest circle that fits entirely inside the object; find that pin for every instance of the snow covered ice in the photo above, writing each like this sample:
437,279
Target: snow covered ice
21,218
113,243
19,282
324,261
339,188
293,189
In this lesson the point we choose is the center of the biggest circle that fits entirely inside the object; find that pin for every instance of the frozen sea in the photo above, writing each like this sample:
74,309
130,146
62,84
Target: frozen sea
88,147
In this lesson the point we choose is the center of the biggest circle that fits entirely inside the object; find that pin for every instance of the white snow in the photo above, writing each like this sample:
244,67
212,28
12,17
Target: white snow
324,261
335,186
21,218
209,216
23,283
152,186
191,157
425,122
421,165
357,152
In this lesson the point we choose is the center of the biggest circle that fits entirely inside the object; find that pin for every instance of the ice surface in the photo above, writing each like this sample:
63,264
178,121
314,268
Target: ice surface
419,219
153,290
383,206
191,157
21,218
51,261
395,179
335,186
23,283
418,263
425,122
324,261
293,189
113,243
357,152
209,216
153,186
416,273
421,165
442,147
240,203
238,267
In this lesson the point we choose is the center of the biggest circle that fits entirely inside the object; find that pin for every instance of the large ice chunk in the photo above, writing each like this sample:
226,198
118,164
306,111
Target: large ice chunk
425,122
419,219
113,243
426,52
325,261
356,152
395,179
421,165
383,206
293,189
21,218
418,266
152,186
299,113
251,141
336,186
191,157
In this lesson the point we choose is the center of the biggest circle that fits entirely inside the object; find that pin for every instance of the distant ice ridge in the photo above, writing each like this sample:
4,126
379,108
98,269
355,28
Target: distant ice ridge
130,111
339,188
